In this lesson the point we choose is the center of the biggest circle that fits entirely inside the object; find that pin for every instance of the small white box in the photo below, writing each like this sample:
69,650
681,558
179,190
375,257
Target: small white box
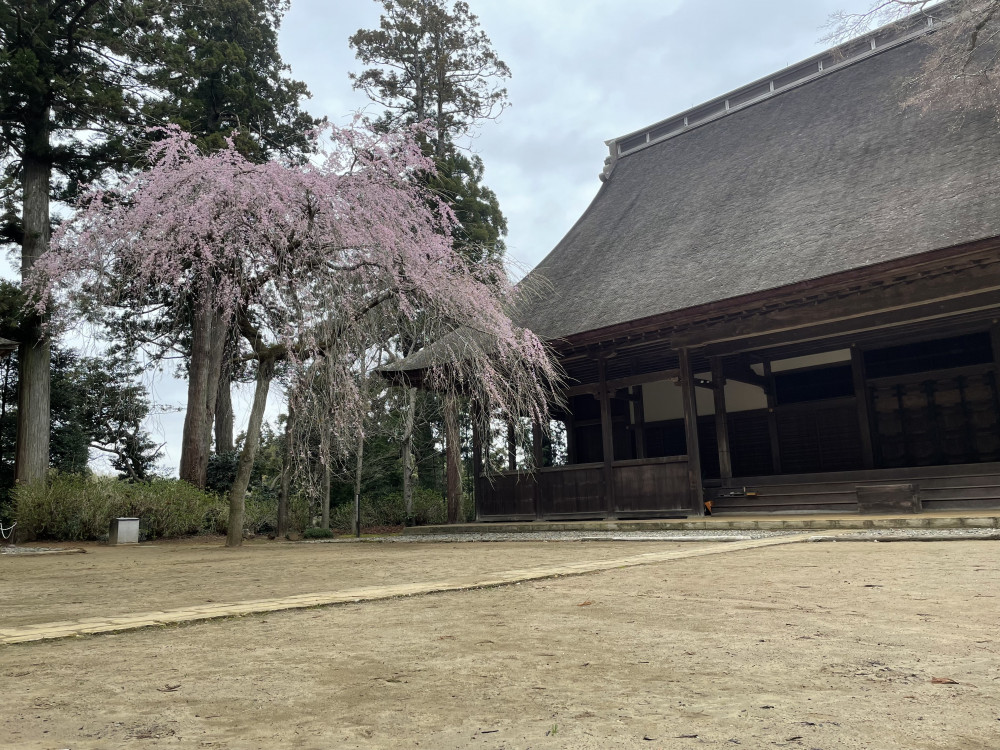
124,531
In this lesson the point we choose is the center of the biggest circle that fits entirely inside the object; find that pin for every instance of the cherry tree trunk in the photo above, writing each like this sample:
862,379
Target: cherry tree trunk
237,495
31,461
216,353
453,458
194,458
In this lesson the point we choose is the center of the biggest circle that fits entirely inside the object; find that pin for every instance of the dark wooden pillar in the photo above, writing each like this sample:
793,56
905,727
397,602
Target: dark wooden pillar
864,407
721,420
772,420
511,448
477,458
691,433
640,423
607,438
537,453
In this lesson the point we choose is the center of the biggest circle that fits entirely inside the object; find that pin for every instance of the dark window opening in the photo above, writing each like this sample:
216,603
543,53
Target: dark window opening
959,351
589,445
585,408
813,385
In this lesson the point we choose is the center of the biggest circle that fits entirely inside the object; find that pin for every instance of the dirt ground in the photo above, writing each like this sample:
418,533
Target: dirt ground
170,575
801,646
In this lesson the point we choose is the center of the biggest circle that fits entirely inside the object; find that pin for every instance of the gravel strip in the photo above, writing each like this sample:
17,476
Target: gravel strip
15,550
912,535
699,535
728,535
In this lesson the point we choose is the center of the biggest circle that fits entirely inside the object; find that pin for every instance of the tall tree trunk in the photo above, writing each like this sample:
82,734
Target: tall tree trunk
286,474
224,420
237,495
217,350
31,461
441,73
411,412
453,457
194,459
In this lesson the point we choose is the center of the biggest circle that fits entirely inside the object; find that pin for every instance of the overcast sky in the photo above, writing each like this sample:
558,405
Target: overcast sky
584,71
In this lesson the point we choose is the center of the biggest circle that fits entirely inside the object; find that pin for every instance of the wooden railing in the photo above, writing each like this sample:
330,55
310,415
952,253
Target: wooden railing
640,488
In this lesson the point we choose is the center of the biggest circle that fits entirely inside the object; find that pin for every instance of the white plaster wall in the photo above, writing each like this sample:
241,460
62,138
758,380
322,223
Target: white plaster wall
662,400
809,360
744,397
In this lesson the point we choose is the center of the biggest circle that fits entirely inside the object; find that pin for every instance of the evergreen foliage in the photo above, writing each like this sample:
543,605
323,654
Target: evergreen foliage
427,62
220,73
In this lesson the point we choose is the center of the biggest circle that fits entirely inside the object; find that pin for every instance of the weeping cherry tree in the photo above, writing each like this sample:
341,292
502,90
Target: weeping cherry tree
307,261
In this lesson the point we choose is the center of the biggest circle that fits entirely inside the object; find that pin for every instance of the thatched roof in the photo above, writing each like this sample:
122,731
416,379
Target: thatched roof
453,347
828,174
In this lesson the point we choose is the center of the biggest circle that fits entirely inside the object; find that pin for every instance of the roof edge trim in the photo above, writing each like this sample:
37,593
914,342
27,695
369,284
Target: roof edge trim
829,61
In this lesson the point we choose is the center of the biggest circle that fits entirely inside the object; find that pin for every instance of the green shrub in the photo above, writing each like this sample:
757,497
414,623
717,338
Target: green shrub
317,533
77,507
389,510
260,514
216,519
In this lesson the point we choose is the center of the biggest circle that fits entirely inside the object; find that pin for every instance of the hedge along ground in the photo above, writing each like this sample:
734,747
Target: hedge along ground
802,646
79,507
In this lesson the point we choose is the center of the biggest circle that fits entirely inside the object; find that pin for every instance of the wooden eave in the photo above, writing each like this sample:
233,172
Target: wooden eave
694,326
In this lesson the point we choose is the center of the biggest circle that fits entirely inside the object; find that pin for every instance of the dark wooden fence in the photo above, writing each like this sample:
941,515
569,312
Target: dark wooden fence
641,488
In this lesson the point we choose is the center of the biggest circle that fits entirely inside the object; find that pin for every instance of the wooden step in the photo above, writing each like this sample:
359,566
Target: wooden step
787,501
974,480
960,493
846,508
960,504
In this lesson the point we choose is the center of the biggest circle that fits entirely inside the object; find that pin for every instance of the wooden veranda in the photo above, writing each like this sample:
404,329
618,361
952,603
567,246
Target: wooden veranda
880,378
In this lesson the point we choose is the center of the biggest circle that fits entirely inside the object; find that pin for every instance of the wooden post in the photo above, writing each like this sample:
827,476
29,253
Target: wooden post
477,457
359,465
453,457
287,459
640,423
721,420
864,407
607,437
511,448
772,420
691,433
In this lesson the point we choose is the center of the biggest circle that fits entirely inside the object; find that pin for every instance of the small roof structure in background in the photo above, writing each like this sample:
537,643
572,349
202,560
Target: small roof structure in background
453,347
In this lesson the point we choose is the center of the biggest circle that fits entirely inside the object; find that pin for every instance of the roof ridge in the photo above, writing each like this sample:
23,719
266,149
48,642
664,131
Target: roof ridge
790,77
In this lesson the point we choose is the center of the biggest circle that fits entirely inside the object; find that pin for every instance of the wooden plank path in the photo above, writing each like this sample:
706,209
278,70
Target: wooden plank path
119,623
